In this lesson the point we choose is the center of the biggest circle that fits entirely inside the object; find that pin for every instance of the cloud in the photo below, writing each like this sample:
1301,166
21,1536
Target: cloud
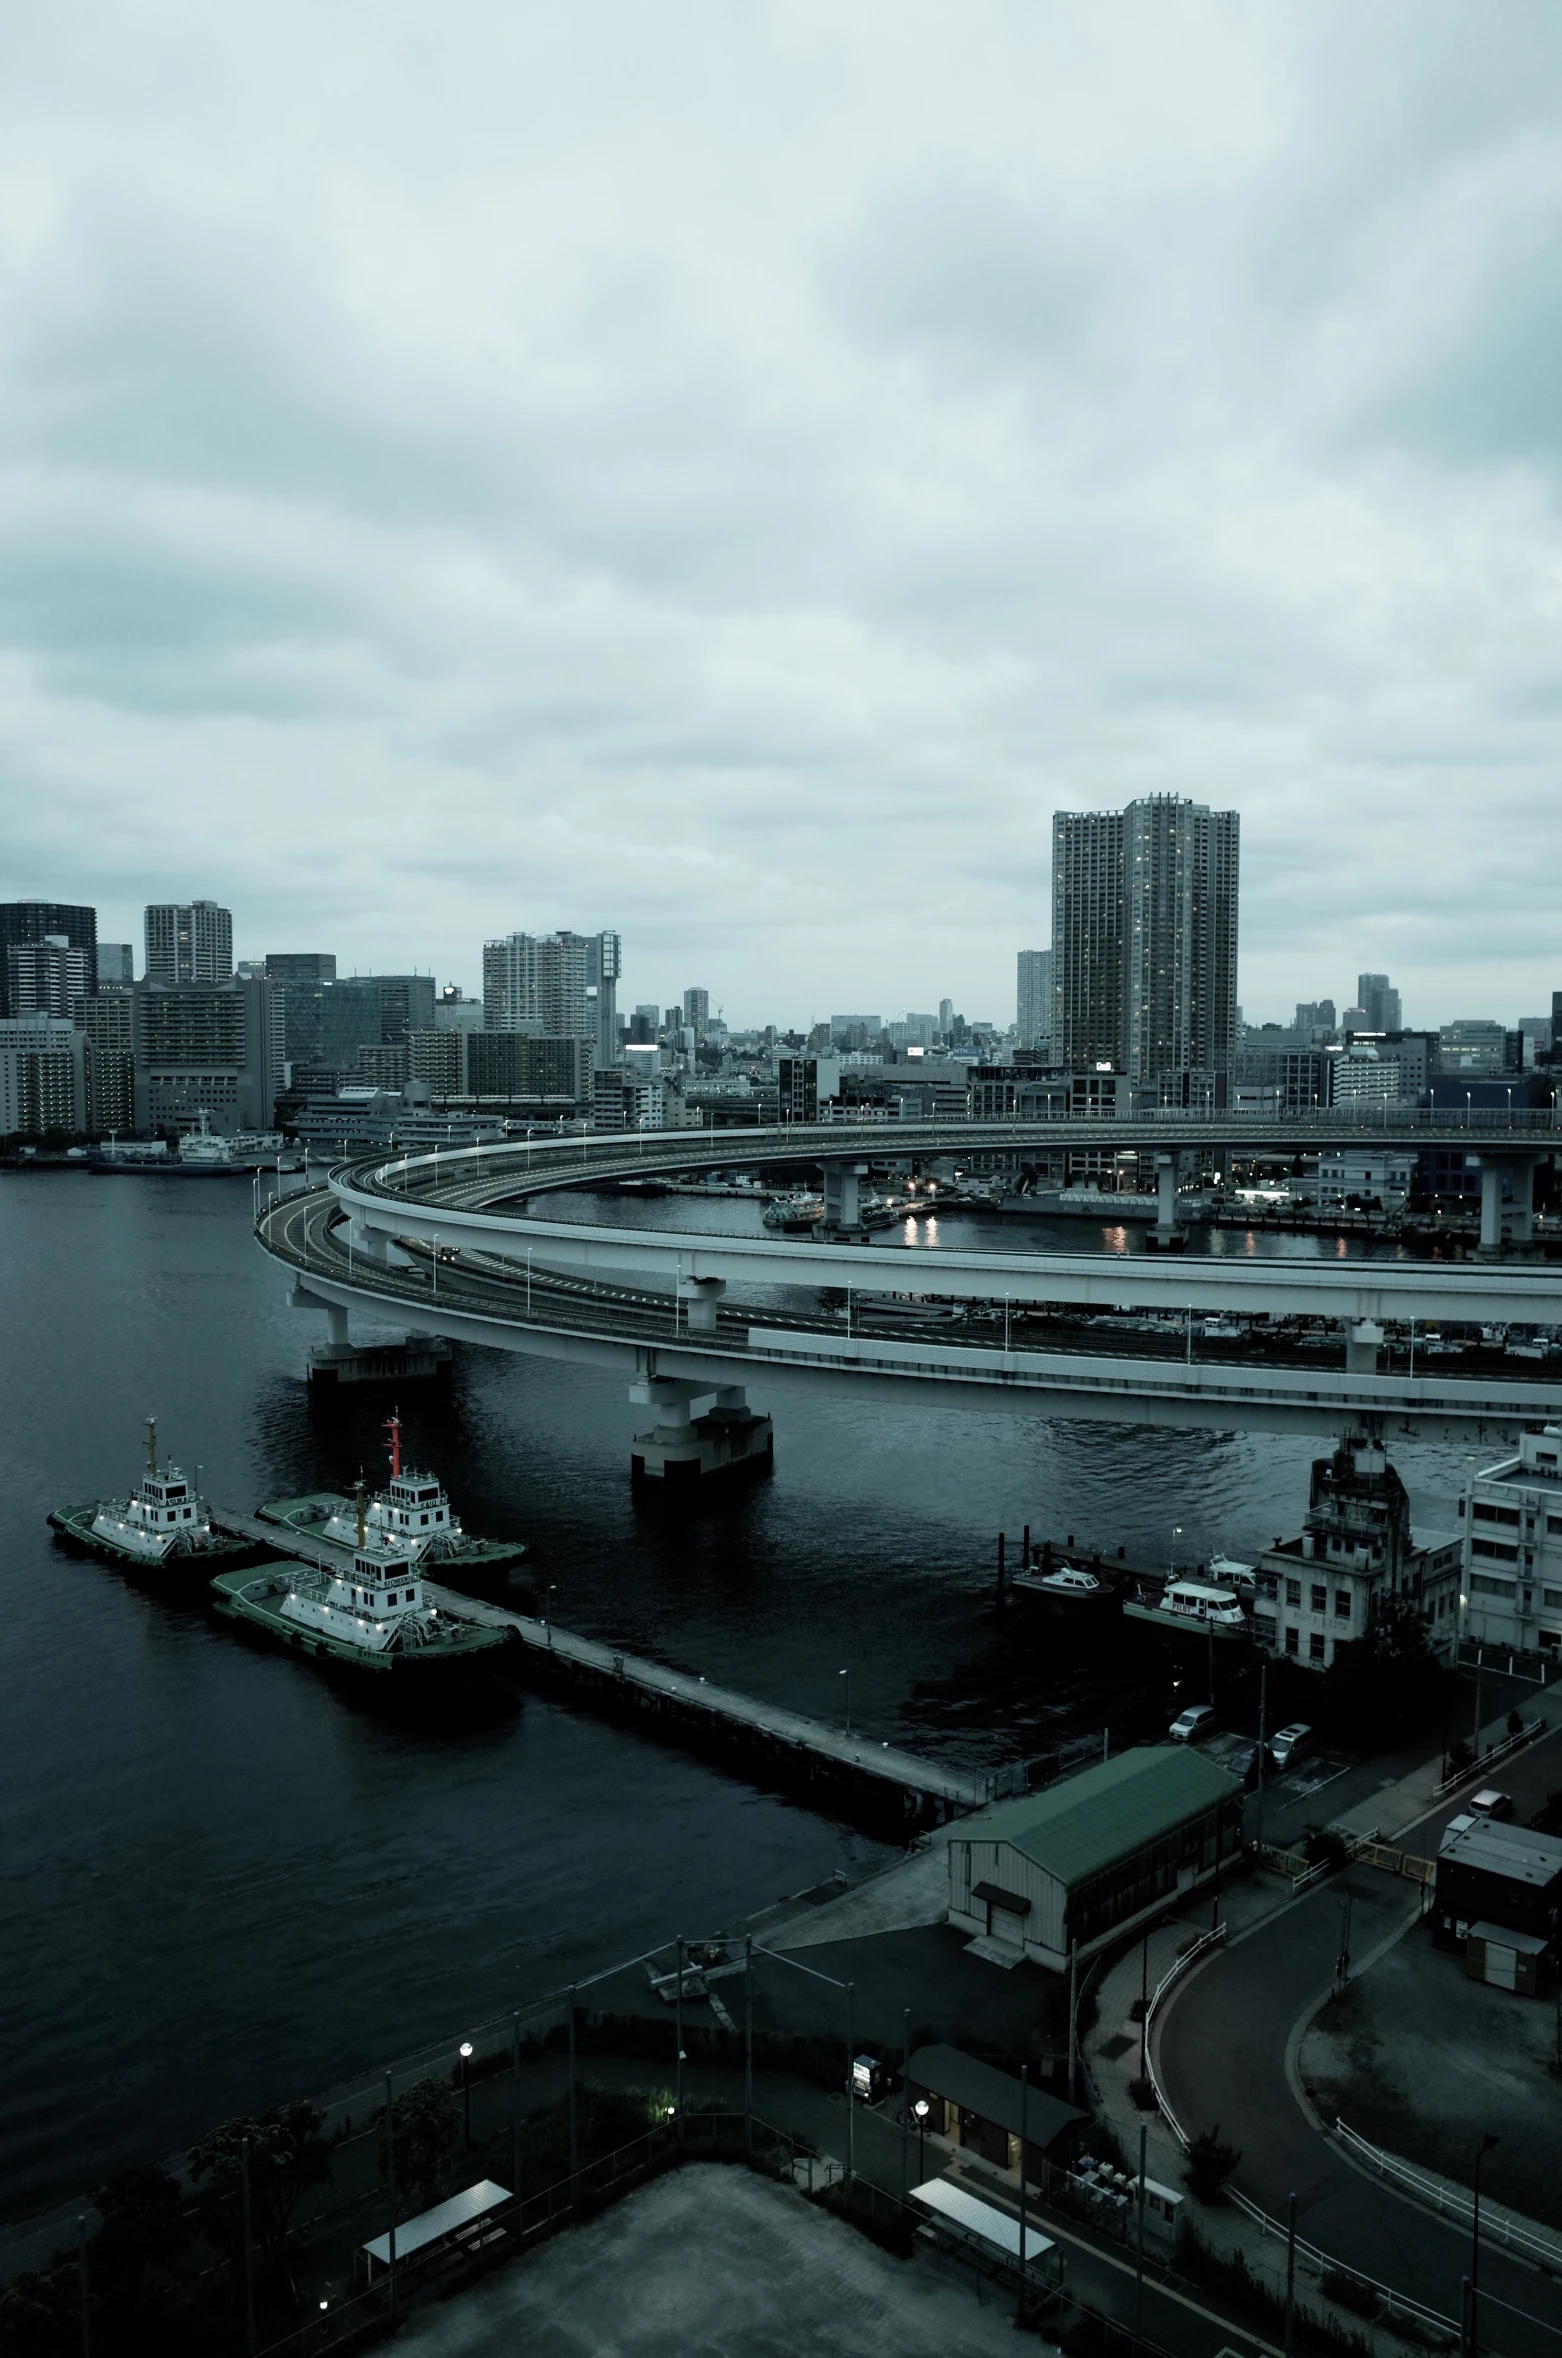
731,474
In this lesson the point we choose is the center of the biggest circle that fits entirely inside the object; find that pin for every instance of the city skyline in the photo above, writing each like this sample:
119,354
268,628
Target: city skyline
1146,421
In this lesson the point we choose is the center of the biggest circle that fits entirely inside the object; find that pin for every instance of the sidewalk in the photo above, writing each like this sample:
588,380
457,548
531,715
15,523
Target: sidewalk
1403,1801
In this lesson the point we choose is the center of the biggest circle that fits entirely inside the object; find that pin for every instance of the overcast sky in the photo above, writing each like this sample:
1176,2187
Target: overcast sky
730,472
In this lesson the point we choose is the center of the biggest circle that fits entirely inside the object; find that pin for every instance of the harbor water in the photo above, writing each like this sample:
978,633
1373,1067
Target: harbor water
226,1882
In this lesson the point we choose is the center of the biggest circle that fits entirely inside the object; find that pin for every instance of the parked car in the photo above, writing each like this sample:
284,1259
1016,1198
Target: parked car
1489,1803
1288,1744
1189,1725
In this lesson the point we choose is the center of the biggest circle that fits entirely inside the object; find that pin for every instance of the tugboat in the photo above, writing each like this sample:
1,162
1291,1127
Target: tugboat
161,1527
414,1511
370,1616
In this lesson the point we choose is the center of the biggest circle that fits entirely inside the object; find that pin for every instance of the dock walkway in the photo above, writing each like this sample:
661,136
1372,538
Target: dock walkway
874,1781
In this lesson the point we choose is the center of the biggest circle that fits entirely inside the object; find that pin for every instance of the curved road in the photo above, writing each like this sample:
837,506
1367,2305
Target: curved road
1221,2053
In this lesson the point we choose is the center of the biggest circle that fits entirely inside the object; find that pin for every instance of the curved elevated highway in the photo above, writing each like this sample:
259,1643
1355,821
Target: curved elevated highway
447,1243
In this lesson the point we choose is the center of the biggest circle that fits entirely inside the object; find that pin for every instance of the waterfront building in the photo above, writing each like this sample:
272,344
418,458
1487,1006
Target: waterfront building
1033,1001
1377,996
1066,1870
1356,1554
212,1050
1365,1178
107,1022
116,966
305,976
406,1118
188,942
26,922
604,969
1512,1554
371,1011
1144,939
43,1080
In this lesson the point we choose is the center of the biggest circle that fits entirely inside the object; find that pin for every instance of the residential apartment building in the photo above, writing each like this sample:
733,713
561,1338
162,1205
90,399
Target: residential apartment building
26,922
538,983
513,1064
1033,1001
48,977
1356,1554
207,1049
188,942
1512,1552
42,1077
1144,938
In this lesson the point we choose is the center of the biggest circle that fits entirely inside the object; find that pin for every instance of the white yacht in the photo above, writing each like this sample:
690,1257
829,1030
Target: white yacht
1066,1584
1196,1607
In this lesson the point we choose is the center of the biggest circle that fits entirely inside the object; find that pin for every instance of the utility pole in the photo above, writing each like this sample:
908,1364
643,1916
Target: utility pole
249,2252
1144,2138
1290,2275
1263,1704
679,2034
1024,2124
905,2101
748,2045
1073,2020
390,2195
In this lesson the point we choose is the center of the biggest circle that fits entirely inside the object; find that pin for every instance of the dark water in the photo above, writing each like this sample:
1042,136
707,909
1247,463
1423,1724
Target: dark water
222,1882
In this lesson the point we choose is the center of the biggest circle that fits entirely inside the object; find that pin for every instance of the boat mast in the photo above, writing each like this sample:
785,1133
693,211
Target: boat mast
359,1488
393,1427
151,1446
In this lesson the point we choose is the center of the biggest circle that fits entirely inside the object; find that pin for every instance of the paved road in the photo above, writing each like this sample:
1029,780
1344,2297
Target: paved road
1222,2049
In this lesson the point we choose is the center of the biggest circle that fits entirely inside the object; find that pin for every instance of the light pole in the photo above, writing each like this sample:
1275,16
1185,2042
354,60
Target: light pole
1481,2151
920,2108
466,2095
547,1610
847,1676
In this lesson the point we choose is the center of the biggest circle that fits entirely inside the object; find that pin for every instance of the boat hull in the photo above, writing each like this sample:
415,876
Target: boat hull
477,1561
185,1567
253,1599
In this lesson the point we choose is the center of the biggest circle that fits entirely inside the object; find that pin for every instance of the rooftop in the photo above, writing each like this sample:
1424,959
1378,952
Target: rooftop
991,2094
1085,1823
1514,1852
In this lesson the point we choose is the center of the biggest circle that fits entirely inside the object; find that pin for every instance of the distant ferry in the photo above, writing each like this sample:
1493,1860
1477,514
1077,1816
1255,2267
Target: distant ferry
794,1214
160,1525
201,1154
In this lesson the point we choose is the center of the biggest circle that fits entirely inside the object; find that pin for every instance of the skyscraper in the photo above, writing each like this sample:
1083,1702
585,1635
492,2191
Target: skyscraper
305,976
48,977
23,922
1379,1002
116,966
696,1009
188,942
1033,1009
604,965
1144,938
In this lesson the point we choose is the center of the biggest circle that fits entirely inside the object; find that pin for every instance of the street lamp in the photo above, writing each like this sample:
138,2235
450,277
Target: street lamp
1485,2146
466,2094
847,1676
547,1610
920,2108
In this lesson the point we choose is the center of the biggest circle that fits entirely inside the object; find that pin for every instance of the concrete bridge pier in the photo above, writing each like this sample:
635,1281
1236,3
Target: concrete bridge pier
1362,1346
842,1215
1167,1236
369,1244
1517,1224
702,1298
681,1448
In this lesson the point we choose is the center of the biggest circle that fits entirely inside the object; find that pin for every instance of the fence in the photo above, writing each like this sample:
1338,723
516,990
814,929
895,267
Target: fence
1301,1870
1515,2235
1372,1853
1490,1758
1174,1973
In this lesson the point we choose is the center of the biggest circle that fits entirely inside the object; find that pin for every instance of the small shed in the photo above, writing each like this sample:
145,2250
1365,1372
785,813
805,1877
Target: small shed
1490,1873
1093,1853
1514,1961
976,2105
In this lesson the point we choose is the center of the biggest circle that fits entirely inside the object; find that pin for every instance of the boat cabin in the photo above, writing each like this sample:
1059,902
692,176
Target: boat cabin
164,1501
1196,1600
415,1506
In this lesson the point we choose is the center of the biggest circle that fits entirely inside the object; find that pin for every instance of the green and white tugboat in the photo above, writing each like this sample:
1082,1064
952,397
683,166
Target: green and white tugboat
162,1527
370,1614
413,1509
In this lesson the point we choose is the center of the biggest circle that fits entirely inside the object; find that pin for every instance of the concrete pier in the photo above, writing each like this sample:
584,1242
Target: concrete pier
875,1786
681,1448
339,1361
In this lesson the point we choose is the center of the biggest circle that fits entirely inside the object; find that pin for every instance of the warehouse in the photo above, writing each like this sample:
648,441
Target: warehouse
1496,1876
1085,1859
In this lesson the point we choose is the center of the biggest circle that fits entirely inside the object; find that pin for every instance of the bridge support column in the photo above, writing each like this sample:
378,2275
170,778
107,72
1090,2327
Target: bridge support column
681,1448
370,1244
1362,1346
1166,1236
702,1296
842,1216
1513,1223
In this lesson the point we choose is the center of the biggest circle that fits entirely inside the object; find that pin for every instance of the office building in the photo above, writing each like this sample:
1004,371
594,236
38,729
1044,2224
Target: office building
1144,938
304,976
188,942
1356,1554
537,983
26,922
1512,1513
808,1086
371,1011
643,1026
116,966
1380,1001
1315,1019
1033,1008
696,1010
207,1049
1478,1045
42,1077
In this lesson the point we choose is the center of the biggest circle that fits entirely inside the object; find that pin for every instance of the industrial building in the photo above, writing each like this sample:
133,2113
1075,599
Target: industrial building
1065,1869
1356,1556
1512,1548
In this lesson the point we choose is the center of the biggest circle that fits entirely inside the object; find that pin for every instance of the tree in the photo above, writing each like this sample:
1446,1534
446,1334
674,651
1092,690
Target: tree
40,2313
287,2155
143,2227
428,2131
1388,1684
1210,2164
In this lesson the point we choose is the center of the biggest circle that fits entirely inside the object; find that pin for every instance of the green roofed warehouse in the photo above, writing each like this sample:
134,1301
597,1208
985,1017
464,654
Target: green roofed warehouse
1091,1854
